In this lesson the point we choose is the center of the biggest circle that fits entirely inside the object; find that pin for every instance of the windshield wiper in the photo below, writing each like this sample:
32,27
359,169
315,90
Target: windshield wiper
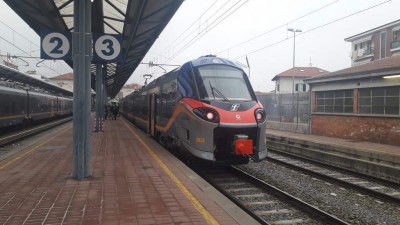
219,94
212,90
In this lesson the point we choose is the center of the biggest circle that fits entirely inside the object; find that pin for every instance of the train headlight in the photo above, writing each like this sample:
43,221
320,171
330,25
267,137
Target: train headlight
210,116
207,114
260,115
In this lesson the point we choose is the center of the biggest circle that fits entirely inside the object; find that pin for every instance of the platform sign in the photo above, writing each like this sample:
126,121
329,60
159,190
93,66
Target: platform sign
107,47
55,45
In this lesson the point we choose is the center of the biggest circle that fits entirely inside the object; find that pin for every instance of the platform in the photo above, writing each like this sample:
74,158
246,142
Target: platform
372,158
135,181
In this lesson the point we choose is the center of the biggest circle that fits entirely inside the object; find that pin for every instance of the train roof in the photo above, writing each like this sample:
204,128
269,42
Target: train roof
201,61
211,59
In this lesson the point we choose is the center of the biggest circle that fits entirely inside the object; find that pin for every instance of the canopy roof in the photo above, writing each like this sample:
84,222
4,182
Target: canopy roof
138,21
7,73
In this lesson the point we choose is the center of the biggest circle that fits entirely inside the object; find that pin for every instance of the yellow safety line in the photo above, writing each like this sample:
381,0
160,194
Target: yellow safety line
204,212
37,146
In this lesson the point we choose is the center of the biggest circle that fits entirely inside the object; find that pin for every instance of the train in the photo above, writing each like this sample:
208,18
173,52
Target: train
206,109
22,107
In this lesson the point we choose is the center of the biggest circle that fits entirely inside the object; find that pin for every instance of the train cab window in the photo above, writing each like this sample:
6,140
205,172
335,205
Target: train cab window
215,80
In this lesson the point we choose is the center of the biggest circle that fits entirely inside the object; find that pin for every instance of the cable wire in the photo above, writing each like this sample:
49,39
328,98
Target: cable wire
277,27
315,28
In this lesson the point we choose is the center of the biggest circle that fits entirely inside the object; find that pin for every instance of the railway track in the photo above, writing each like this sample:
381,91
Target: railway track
383,189
11,143
266,203
15,136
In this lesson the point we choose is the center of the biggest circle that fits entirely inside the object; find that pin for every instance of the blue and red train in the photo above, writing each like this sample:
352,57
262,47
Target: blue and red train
205,109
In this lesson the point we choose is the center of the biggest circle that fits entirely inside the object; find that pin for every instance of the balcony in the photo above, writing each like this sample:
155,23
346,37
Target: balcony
363,54
369,51
395,46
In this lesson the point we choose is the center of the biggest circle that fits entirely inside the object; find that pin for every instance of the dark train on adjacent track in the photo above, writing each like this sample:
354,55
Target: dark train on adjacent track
205,109
19,107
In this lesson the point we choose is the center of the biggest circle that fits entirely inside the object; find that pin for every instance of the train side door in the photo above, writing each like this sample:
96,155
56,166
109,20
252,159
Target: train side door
152,115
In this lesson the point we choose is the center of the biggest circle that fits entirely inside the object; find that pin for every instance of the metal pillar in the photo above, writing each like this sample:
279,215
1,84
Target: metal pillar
99,96
103,89
81,44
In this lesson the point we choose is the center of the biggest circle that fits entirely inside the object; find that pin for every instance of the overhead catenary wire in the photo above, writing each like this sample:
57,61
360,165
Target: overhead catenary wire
29,54
221,17
190,26
280,26
241,43
204,31
304,32
312,29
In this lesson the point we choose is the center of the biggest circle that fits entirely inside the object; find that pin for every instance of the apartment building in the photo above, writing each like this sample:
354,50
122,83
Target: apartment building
378,43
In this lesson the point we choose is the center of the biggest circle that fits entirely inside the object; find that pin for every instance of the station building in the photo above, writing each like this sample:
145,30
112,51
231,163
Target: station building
361,103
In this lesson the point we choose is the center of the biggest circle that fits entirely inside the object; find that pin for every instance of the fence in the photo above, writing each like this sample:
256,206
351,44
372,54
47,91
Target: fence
287,111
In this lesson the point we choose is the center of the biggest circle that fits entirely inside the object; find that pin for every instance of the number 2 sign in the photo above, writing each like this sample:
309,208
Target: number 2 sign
56,45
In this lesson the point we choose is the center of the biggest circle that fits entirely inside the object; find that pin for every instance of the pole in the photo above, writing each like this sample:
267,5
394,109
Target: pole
81,44
294,58
99,106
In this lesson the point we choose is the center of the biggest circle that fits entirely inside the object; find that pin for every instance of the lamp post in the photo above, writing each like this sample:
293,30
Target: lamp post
294,57
294,51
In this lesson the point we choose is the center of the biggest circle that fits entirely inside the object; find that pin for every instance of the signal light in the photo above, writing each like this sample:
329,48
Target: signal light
207,114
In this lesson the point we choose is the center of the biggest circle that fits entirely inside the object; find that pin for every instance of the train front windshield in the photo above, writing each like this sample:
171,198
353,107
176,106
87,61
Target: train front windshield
217,82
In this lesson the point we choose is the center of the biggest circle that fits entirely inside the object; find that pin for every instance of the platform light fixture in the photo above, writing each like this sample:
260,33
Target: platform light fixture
392,76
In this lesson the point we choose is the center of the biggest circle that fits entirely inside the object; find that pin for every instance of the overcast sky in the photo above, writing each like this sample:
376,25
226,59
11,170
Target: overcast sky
257,29
17,38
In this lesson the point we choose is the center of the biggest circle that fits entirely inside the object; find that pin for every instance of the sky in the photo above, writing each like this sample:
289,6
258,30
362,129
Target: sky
18,39
236,29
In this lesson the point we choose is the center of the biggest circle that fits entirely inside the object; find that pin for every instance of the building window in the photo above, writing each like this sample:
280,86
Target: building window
301,87
383,45
396,35
355,47
385,100
396,39
340,101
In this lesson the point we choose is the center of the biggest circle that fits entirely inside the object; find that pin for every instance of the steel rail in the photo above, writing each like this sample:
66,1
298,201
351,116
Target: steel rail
8,139
359,188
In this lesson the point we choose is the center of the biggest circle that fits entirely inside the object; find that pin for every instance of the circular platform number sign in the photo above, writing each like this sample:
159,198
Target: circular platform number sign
107,47
56,45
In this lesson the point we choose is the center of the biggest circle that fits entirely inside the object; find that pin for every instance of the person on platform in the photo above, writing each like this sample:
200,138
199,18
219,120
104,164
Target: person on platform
115,112
112,109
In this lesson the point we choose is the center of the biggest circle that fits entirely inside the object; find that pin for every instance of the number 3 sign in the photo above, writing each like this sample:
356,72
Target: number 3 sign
106,48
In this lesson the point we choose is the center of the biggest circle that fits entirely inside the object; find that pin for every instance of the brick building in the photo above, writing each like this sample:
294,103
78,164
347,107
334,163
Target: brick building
358,103
375,44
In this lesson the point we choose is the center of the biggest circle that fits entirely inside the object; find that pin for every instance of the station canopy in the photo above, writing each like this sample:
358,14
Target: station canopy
140,22
7,73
